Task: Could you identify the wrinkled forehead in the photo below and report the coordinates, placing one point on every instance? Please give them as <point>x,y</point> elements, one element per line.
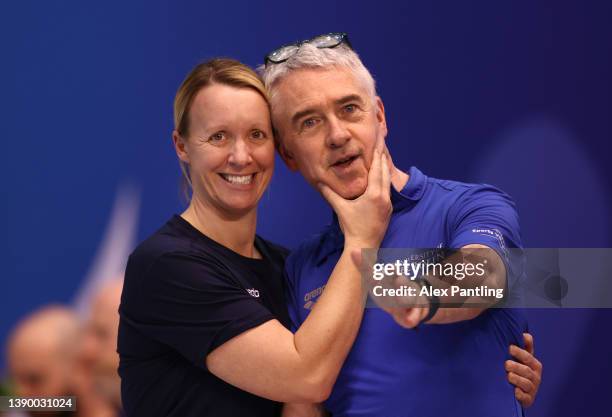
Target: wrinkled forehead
<point>303,85</point>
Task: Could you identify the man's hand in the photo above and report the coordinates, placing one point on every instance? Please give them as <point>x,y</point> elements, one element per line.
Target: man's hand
<point>408,318</point>
<point>409,311</point>
<point>526,374</point>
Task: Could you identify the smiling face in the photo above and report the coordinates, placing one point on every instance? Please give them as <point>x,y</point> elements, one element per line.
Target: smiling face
<point>328,125</point>
<point>229,148</point>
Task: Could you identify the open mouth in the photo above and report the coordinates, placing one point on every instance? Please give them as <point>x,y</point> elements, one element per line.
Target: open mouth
<point>238,179</point>
<point>345,162</point>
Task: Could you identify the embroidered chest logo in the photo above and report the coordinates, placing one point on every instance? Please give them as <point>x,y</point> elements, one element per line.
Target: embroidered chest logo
<point>310,297</point>
<point>253,292</point>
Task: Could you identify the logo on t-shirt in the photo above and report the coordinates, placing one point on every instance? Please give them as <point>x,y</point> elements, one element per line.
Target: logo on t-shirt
<point>495,233</point>
<point>253,292</point>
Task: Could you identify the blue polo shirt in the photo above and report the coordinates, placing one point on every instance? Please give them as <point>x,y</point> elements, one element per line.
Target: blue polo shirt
<point>440,370</point>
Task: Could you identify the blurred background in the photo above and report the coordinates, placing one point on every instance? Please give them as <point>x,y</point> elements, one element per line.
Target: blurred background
<point>513,93</point>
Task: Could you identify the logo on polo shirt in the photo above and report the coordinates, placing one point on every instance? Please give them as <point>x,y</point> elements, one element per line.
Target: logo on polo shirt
<point>253,292</point>
<point>310,297</point>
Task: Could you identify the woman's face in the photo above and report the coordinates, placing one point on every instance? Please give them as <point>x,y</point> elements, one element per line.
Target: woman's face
<point>230,147</point>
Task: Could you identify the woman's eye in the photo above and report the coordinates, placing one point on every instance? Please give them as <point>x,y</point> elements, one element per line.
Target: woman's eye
<point>217,137</point>
<point>258,134</point>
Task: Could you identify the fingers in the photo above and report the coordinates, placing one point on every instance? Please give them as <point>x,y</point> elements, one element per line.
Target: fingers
<point>381,149</point>
<point>408,318</point>
<point>523,383</point>
<point>526,376</point>
<point>332,198</point>
<point>400,316</point>
<point>385,175</point>
<point>520,369</point>
<point>525,399</point>
<point>522,356</point>
<point>389,158</point>
<point>375,174</point>
<point>528,339</point>
<point>528,359</point>
<point>416,315</point>
<point>380,144</point>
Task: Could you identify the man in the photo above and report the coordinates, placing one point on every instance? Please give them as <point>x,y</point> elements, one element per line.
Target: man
<point>41,354</point>
<point>327,117</point>
<point>99,345</point>
<point>43,360</point>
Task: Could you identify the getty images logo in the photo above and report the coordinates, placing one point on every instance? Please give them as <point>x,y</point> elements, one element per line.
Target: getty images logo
<point>253,292</point>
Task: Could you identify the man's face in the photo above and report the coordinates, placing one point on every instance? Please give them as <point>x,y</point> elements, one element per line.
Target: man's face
<point>38,370</point>
<point>328,124</point>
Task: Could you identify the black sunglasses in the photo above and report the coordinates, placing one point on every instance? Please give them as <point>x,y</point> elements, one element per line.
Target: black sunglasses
<point>329,40</point>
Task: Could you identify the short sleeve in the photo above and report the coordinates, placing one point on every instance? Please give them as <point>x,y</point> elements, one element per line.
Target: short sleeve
<point>291,293</point>
<point>487,216</point>
<point>192,305</point>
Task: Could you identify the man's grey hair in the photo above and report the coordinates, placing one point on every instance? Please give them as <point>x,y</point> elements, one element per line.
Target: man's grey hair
<point>309,56</point>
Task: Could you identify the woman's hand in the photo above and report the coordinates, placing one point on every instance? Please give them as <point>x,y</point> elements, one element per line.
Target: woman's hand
<point>364,220</point>
<point>526,374</point>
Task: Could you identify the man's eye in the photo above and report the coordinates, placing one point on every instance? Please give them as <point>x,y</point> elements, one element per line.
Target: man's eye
<point>350,108</point>
<point>308,123</point>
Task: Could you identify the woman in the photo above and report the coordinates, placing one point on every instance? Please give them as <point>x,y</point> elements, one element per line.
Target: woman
<point>203,322</point>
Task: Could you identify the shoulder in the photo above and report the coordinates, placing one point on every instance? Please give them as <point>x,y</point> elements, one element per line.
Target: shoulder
<point>457,191</point>
<point>461,198</point>
<point>170,254</point>
<point>161,243</point>
<point>276,253</point>
<point>481,213</point>
<point>168,237</point>
<point>314,250</point>
<point>465,199</point>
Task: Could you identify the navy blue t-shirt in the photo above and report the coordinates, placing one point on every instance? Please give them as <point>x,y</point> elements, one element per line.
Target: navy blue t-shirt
<point>440,370</point>
<point>185,295</point>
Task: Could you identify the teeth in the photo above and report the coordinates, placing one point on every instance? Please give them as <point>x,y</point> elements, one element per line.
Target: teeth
<point>344,160</point>
<point>238,179</point>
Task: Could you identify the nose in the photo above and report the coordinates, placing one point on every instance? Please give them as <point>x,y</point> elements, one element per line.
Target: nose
<point>240,154</point>
<point>88,348</point>
<point>338,134</point>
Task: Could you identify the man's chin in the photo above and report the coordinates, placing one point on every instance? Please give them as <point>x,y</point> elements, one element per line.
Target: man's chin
<point>351,193</point>
<point>353,196</point>
<point>349,190</point>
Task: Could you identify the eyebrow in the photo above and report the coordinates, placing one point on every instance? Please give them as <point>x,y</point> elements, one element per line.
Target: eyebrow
<point>302,113</point>
<point>309,110</point>
<point>349,98</point>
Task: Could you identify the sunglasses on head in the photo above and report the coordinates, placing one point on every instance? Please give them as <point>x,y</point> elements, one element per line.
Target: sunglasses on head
<point>329,40</point>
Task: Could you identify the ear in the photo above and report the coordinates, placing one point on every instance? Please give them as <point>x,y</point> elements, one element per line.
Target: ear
<point>380,115</point>
<point>180,146</point>
<point>286,155</point>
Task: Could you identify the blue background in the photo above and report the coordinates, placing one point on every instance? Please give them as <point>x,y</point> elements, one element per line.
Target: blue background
<point>513,93</point>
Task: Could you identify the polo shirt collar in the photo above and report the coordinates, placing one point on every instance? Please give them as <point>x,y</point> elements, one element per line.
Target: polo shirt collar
<point>408,196</point>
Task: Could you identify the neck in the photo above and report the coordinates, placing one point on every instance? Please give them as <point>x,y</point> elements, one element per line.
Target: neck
<point>398,178</point>
<point>234,231</point>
